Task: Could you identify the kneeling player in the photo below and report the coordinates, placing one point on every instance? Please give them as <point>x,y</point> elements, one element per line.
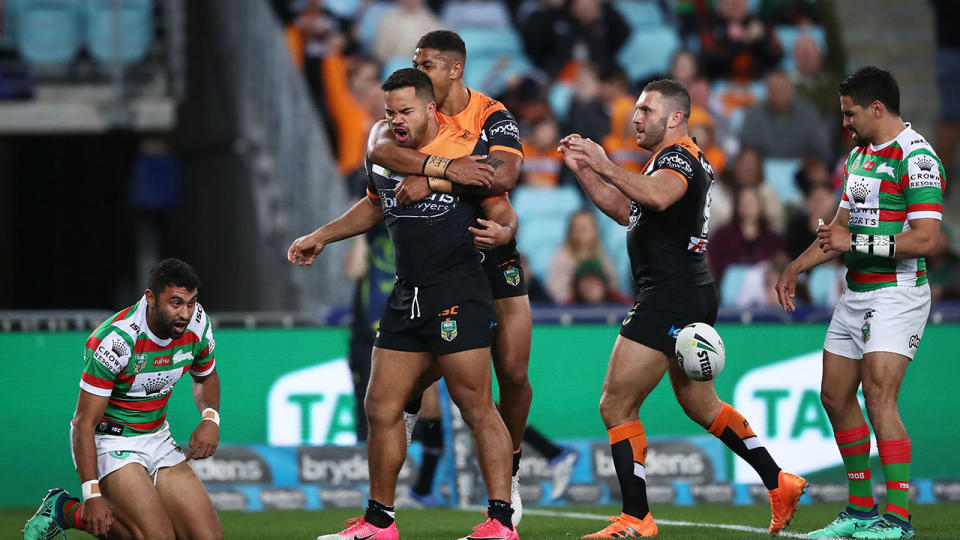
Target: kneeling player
<point>136,481</point>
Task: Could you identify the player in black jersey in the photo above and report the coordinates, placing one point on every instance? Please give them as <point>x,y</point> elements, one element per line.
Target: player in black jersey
<point>442,55</point>
<point>439,317</point>
<point>666,210</point>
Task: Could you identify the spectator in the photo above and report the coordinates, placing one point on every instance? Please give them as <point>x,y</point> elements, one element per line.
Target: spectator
<point>746,171</point>
<point>819,202</point>
<point>582,243</point>
<point>735,45</point>
<point>784,126</point>
<point>747,239</point>
<point>585,32</point>
<point>354,102</point>
<point>542,162</point>
<point>587,113</point>
<point>700,126</point>
<point>401,28</point>
<point>948,79</point>
<point>621,140</point>
<point>684,67</point>
<point>816,84</point>
<point>591,285</point>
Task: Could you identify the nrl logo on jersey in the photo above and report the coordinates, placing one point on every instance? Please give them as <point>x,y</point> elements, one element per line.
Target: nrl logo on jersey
<point>448,330</point>
<point>512,275</point>
<point>139,362</point>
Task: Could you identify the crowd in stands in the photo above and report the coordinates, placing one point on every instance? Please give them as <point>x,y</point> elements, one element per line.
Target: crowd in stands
<point>762,75</point>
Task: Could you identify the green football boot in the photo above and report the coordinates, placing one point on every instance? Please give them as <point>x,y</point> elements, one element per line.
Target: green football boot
<point>887,527</point>
<point>48,522</point>
<point>846,523</point>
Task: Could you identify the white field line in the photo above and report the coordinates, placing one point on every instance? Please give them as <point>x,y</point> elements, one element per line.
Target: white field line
<point>727,526</point>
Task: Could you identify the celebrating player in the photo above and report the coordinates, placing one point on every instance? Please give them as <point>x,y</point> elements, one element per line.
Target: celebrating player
<point>135,479</point>
<point>888,219</point>
<point>441,55</point>
<point>439,315</point>
<point>666,210</point>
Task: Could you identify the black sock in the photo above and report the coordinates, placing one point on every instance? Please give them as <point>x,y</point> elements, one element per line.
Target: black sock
<point>432,452</point>
<point>734,431</point>
<point>413,406</point>
<point>628,444</point>
<point>516,461</point>
<point>543,445</point>
<point>500,511</point>
<point>378,515</point>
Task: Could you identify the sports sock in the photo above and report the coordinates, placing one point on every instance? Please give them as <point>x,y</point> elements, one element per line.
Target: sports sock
<point>854,447</point>
<point>542,444</point>
<point>628,443</point>
<point>516,460</point>
<point>432,452</point>
<point>413,406</point>
<point>734,431</point>
<point>379,515</point>
<point>500,511</point>
<point>73,514</point>
<point>895,457</point>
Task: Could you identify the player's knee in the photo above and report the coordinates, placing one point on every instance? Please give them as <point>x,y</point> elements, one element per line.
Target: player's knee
<point>614,411</point>
<point>876,397</point>
<point>377,411</point>
<point>474,407</point>
<point>514,379</point>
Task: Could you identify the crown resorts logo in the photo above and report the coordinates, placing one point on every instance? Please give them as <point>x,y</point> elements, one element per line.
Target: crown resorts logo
<point>925,163</point>
<point>859,190</point>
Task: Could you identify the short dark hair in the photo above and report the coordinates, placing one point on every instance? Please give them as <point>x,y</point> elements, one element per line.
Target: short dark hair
<point>406,77</point>
<point>444,41</point>
<point>871,84</point>
<point>172,272</point>
<point>671,89</point>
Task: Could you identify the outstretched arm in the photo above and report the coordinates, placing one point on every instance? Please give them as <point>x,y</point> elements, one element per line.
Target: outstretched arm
<point>358,219</point>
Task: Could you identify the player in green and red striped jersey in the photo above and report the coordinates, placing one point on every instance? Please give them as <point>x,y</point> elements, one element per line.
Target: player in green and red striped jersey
<point>120,439</point>
<point>889,218</point>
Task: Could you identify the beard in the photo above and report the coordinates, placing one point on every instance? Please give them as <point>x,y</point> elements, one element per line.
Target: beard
<point>653,134</point>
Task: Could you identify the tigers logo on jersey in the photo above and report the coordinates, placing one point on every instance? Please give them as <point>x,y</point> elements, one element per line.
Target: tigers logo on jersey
<point>512,275</point>
<point>448,330</point>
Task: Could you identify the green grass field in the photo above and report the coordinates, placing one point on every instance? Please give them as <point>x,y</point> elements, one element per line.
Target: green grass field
<point>931,521</point>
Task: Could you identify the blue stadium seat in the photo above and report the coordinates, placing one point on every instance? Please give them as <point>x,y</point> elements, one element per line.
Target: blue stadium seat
<point>489,73</point>
<point>787,35</point>
<point>370,20</point>
<point>395,63</point>
<point>543,214</point>
<point>559,99</point>
<point>732,283</point>
<point>821,284</point>
<point>48,33</point>
<point>649,52</point>
<point>780,173</point>
<point>10,19</point>
<point>613,237</point>
<point>640,14</point>
<point>481,42</point>
<point>342,8</point>
<point>487,14</point>
<point>136,30</point>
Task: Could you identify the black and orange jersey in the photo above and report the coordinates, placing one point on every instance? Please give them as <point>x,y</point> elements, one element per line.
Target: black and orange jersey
<point>668,248</point>
<point>486,120</point>
<point>431,243</point>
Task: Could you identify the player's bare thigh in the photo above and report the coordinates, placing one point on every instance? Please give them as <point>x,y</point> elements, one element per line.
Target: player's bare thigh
<point>838,390</point>
<point>467,374</point>
<point>395,376</point>
<point>136,504</point>
<point>187,503</point>
<point>633,372</point>
<point>511,338</point>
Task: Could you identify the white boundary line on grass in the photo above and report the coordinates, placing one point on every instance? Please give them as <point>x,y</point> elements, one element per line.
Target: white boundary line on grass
<point>727,526</point>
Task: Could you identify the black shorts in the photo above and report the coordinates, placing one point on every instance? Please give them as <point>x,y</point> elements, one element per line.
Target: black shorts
<point>658,315</point>
<point>441,319</point>
<point>502,265</point>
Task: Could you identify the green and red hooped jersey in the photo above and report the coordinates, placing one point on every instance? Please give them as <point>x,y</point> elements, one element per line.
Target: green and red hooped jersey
<point>884,187</point>
<point>124,361</point>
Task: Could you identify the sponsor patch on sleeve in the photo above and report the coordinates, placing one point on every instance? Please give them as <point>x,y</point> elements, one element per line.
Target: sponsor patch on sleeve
<point>923,171</point>
<point>112,354</point>
<point>505,128</point>
<point>676,161</point>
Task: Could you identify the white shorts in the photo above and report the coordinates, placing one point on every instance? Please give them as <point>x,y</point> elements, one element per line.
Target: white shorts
<point>153,450</point>
<point>885,320</point>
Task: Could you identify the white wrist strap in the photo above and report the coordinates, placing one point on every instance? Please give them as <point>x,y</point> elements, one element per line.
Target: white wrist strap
<point>211,415</point>
<point>90,489</point>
